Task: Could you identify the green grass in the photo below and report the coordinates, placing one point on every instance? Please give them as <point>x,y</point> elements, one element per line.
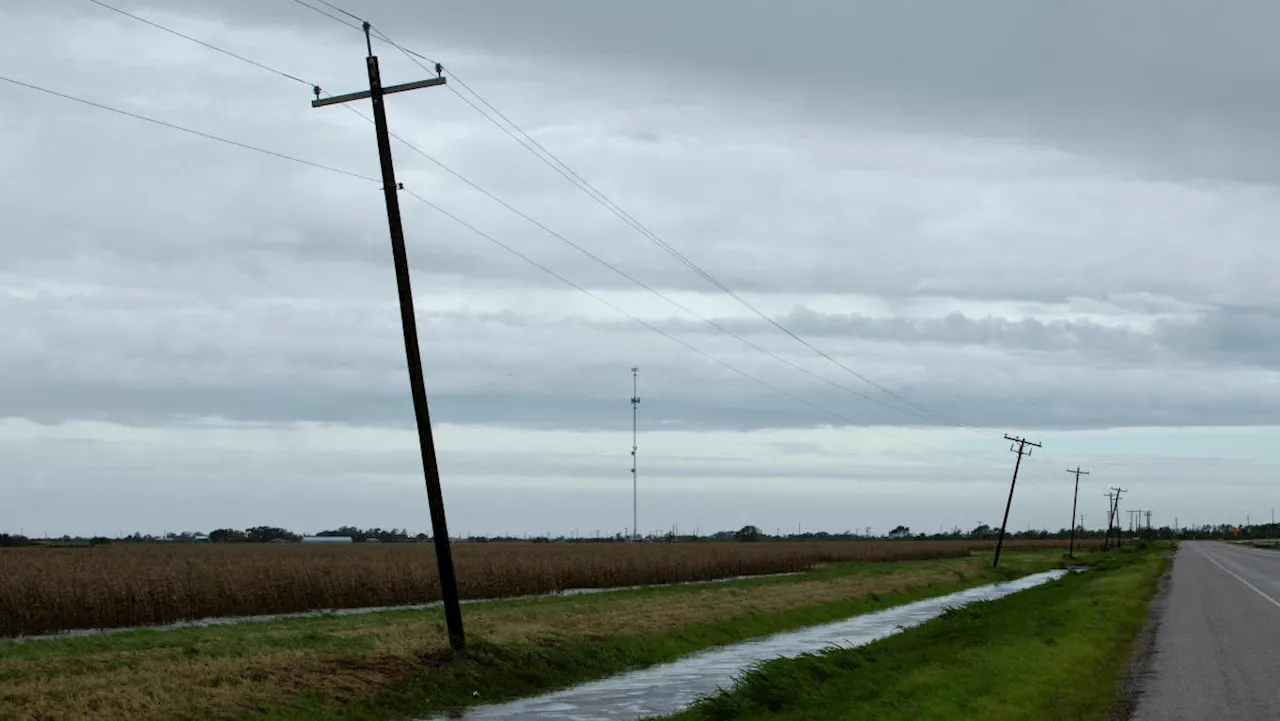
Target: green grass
<point>1055,651</point>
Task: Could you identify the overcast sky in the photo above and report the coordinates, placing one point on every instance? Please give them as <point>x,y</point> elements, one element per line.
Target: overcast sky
<point>1055,220</point>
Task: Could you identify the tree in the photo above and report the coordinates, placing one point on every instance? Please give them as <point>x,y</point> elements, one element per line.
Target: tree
<point>900,532</point>
<point>227,535</point>
<point>748,533</point>
<point>267,534</point>
<point>348,531</point>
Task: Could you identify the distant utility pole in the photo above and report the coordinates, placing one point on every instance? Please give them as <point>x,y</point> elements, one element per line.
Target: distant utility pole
<point>1111,499</point>
<point>1148,521</point>
<point>413,356</point>
<point>635,405</point>
<point>1071,549</point>
<point>1115,513</point>
<point>1022,449</point>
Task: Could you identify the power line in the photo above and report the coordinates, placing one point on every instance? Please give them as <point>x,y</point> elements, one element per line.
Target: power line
<point>529,218</point>
<point>197,41</point>
<point>458,220</point>
<point>197,133</point>
<point>552,161</point>
<point>921,412</point>
<point>498,200</point>
<point>331,6</point>
<point>623,312</point>
<point>335,18</point>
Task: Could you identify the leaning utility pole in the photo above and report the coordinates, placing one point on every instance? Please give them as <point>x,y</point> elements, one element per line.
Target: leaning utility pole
<point>1022,450</point>
<point>1106,544</point>
<point>635,404</point>
<point>413,356</point>
<point>1115,514</point>
<point>1071,548</point>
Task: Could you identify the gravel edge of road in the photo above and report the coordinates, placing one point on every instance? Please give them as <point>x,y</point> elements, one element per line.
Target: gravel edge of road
<point>1144,646</point>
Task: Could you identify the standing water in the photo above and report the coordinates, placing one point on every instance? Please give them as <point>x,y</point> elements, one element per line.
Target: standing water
<point>671,687</point>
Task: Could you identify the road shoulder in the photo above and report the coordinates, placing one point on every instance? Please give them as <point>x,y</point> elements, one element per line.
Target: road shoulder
<point>1144,648</point>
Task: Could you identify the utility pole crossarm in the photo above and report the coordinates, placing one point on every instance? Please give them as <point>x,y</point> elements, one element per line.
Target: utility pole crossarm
<point>415,85</point>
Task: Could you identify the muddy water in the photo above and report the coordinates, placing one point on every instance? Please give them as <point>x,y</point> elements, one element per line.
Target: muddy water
<point>671,687</point>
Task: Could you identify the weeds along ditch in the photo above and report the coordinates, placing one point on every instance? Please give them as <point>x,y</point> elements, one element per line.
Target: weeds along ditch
<point>46,590</point>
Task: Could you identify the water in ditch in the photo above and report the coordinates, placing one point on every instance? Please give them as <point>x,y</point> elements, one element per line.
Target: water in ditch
<point>668,688</point>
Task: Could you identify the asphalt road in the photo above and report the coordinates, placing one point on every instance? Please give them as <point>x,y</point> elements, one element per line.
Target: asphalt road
<point>1217,645</point>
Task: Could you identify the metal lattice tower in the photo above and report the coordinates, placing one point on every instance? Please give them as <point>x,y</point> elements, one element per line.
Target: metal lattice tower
<point>635,407</point>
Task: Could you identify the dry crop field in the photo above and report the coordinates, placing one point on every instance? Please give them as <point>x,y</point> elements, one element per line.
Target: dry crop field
<point>45,590</point>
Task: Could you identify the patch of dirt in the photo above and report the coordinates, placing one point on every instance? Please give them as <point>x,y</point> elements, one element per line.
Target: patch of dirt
<point>437,657</point>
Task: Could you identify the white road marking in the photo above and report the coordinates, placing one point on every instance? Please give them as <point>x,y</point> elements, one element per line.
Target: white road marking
<point>1252,587</point>
<point>1260,552</point>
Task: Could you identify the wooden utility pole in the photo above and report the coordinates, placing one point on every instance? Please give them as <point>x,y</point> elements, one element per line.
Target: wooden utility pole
<point>1071,548</point>
<point>413,355</point>
<point>1106,544</point>
<point>1023,447</point>
<point>1115,513</point>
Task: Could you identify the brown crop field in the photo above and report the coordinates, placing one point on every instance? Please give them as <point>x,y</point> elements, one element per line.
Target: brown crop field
<point>45,590</point>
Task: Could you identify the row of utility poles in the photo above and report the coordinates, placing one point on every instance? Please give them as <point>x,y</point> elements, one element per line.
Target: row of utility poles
<point>1024,447</point>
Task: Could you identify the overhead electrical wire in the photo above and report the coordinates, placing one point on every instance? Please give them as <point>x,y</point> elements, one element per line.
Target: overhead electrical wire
<point>456,219</point>
<point>335,18</point>
<point>197,41</point>
<point>535,222</point>
<point>191,131</point>
<point>921,412</point>
<point>551,160</point>
<point>637,319</point>
<point>331,6</point>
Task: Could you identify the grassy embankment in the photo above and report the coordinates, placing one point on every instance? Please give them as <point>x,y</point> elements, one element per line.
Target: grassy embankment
<point>396,664</point>
<point>1057,651</point>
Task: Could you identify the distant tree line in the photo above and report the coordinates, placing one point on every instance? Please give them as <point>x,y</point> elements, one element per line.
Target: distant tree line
<point>749,534</point>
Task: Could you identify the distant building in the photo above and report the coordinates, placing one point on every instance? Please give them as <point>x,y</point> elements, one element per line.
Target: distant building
<point>326,539</point>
